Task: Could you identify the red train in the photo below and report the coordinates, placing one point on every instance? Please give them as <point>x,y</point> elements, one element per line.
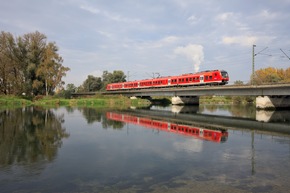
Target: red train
<point>210,77</point>
<point>188,130</point>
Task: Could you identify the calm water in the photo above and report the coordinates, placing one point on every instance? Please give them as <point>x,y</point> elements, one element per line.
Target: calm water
<point>165,149</point>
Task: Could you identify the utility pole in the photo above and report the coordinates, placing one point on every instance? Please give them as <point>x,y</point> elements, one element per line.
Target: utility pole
<point>253,61</point>
<point>253,64</point>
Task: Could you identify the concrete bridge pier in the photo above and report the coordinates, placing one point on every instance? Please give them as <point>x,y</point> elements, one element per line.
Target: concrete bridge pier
<point>185,100</point>
<point>272,102</point>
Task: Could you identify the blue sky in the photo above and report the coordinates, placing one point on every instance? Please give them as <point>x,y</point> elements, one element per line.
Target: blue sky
<point>149,37</point>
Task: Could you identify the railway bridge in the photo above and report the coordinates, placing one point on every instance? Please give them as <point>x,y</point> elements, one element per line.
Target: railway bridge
<point>267,96</point>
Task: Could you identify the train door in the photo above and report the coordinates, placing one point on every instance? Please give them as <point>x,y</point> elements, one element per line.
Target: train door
<point>138,84</point>
<point>201,79</point>
<point>169,82</point>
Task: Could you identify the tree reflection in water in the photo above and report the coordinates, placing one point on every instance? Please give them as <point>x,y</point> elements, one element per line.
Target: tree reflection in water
<point>29,135</point>
<point>93,115</point>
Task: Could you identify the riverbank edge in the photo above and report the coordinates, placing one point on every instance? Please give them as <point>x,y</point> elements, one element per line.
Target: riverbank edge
<point>95,101</point>
<point>104,101</point>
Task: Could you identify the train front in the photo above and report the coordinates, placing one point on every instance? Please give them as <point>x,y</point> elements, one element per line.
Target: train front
<point>225,77</point>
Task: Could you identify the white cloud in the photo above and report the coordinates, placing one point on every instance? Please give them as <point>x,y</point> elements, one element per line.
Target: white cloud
<point>90,9</point>
<point>163,42</point>
<point>266,14</point>
<point>192,19</point>
<point>224,16</point>
<point>109,15</point>
<point>241,40</point>
<point>193,52</point>
<point>106,34</point>
<point>247,40</point>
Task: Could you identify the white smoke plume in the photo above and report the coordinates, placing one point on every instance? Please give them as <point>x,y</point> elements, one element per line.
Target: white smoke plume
<point>193,52</point>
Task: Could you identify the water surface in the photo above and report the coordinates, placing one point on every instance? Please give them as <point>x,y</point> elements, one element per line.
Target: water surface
<point>91,150</point>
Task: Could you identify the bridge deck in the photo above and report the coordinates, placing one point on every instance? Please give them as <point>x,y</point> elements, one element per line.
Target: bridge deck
<point>229,90</point>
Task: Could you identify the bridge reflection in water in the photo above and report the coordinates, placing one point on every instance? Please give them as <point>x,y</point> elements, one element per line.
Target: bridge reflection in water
<point>199,132</point>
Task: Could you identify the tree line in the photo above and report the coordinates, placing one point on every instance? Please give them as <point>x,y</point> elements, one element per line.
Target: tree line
<point>94,83</point>
<point>29,65</point>
<point>271,75</point>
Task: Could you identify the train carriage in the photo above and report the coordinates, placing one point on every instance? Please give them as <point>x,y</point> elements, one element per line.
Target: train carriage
<point>210,77</point>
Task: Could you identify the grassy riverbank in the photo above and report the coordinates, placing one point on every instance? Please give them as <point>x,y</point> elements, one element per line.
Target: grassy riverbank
<point>226,100</point>
<point>13,101</point>
<point>95,101</point>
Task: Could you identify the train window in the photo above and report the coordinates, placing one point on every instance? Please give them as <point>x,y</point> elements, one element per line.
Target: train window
<point>210,77</point>
<point>186,80</point>
<point>206,77</point>
<point>190,79</point>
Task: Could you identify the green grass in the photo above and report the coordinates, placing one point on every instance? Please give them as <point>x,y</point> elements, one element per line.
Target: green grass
<point>96,101</point>
<point>13,101</point>
<point>226,100</point>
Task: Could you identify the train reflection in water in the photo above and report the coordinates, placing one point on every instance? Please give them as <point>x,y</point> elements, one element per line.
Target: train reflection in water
<point>210,134</point>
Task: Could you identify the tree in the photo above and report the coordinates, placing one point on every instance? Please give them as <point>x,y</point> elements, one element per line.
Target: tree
<point>116,76</point>
<point>271,75</point>
<point>50,70</point>
<point>71,87</point>
<point>28,64</point>
<point>92,84</point>
<point>10,76</point>
<point>31,52</point>
<point>238,82</point>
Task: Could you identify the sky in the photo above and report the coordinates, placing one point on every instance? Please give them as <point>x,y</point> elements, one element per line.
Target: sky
<point>150,38</point>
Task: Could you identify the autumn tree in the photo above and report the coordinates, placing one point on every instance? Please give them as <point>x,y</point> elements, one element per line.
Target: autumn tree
<point>28,64</point>
<point>271,75</point>
<point>50,70</point>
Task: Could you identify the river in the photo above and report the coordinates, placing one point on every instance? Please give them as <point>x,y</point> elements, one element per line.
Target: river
<point>210,148</point>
